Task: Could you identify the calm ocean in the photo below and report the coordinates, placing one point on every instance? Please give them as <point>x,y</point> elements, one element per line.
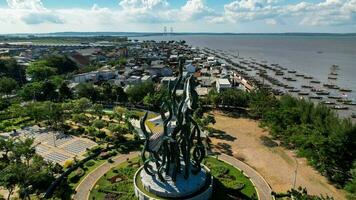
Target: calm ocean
<point>312,55</point>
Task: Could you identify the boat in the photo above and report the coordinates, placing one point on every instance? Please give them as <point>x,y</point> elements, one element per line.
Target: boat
<point>306,86</point>
<point>308,77</point>
<point>322,92</point>
<point>294,90</point>
<point>345,90</point>
<point>288,87</point>
<point>303,93</point>
<point>340,107</point>
<point>300,75</point>
<point>343,100</point>
<point>333,74</point>
<point>279,73</point>
<point>314,81</point>
<point>334,97</point>
<point>331,86</point>
<point>328,102</point>
<point>332,78</point>
<point>289,79</point>
<point>292,71</point>
<point>315,97</point>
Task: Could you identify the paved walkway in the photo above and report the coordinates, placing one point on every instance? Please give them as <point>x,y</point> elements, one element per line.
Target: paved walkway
<point>84,187</point>
<point>263,189</point>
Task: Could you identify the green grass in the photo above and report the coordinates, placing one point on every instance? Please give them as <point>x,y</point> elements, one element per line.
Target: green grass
<point>15,123</point>
<point>123,189</point>
<point>229,182</point>
<point>87,171</point>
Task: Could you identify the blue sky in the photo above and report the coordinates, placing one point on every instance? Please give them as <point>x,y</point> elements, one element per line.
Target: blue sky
<point>238,16</point>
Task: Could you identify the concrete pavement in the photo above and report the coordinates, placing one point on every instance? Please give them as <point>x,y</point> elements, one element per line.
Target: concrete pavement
<point>262,187</point>
<point>85,186</point>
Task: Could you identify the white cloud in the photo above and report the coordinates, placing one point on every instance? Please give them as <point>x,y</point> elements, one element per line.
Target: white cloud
<point>152,15</point>
<point>158,11</point>
<point>29,12</point>
<point>327,12</point>
<point>26,4</point>
<point>271,21</point>
<point>195,9</point>
<point>142,4</point>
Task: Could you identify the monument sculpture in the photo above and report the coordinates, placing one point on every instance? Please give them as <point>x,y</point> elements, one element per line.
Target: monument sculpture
<point>172,159</point>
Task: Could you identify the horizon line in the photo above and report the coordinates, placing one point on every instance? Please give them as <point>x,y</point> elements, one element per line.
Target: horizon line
<point>177,33</point>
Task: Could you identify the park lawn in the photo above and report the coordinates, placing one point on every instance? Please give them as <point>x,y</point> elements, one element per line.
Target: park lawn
<point>229,181</point>
<point>87,171</point>
<point>138,112</point>
<point>15,123</point>
<point>124,189</point>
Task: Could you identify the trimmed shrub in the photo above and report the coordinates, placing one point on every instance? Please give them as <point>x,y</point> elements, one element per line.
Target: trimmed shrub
<point>90,163</point>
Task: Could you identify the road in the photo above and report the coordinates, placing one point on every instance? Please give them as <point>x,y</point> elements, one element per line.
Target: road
<point>84,187</point>
<point>262,187</point>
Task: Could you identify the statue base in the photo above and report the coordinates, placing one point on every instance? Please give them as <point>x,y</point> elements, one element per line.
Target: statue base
<point>196,187</point>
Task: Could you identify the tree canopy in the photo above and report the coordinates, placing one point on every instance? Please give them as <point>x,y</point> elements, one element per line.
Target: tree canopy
<point>7,85</point>
<point>9,68</point>
<point>39,71</point>
<point>137,93</point>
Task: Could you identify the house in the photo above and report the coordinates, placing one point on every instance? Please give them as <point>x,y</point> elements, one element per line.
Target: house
<point>160,70</point>
<point>146,78</point>
<point>133,80</point>
<point>79,59</point>
<point>211,60</point>
<point>222,84</point>
<point>103,74</point>
<point>166,80</point>
<point>85,77</point>
<point>190,68</point>
<point>205,81</point>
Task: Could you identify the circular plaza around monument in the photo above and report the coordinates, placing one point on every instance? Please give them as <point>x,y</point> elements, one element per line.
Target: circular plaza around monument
<point>122,182</point>
<point>198,187</point>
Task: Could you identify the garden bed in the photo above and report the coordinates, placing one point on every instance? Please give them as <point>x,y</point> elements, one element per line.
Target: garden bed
<point>229,182</point>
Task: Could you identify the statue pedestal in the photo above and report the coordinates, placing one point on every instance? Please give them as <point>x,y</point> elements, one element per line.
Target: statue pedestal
<point>196,187</point>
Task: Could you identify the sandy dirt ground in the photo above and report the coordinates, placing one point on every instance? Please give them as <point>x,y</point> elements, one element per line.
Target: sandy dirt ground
<point>241,138</point>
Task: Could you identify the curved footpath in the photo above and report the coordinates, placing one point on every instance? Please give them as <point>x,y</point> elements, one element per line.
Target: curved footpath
<point>84,187</point>
<point>263,188</point>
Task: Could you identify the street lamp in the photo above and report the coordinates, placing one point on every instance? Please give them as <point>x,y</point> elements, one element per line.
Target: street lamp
<point>295,173</point>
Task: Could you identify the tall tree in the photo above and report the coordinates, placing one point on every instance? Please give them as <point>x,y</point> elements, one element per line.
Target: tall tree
<point>119,94</point>
<point>9,178</point>
<point>87,90</point>
<point>39,71</point>
<point>62,63</point>
<point>65,92</point>
<point>10,68</point>
<point>7,85</point>
<point>136,93</point>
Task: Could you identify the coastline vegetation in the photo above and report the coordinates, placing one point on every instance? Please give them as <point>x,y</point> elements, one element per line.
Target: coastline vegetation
<point>314,130</point>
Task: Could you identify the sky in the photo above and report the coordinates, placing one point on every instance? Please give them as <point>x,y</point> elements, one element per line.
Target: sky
<point>233,16</point>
